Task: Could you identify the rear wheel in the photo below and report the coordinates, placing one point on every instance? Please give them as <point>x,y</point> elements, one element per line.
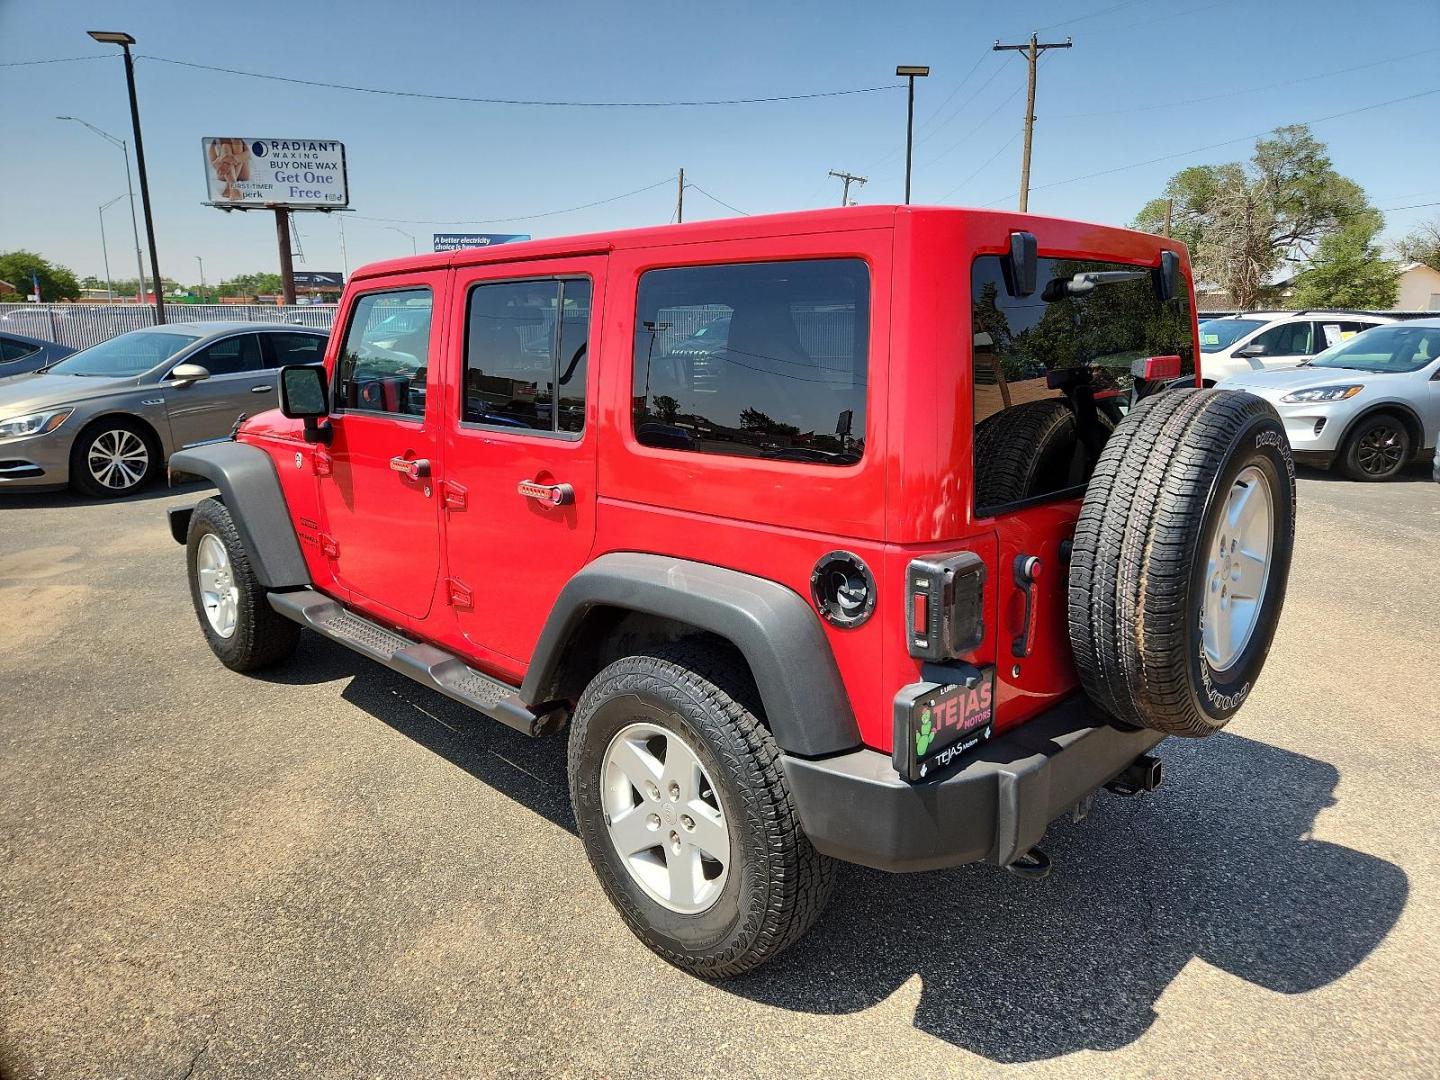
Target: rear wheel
<point>1377,449</point>
<point>1181,558</point>
<point>114,456</point>
<point>685,815</point>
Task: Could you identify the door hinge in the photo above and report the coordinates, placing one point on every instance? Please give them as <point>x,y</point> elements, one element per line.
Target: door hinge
<point>453,496</point>
<point>328,547</point>
<point>324,462</point>
<point>458,594</point>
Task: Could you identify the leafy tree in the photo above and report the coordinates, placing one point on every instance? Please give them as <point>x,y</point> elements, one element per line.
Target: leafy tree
<point>1244,221</point>
<point>56,282</point>
<point>666,408</point>
<point>752,419</point>
<point>1348,271</point>
<point>1422,245</point>
<point>250,285</point>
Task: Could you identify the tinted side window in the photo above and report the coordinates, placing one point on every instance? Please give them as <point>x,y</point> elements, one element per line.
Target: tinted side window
<point>289,348</point>
<point>526,347</point>
<point>1288,339</point>
<point>383,365</point>
<point>230,356</point>
<point>755,359</point>
<point>11,350</point>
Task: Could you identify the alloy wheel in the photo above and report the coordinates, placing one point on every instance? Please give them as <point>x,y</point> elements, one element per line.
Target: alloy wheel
<point>118,459</point>
<point>219,595</point>
<point>664,818</point>
<point>1380,450</point>
<point>1238,568</point>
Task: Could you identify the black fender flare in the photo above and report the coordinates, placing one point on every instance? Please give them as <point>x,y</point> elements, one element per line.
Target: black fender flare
<point>777,632</point>
<point>250,489</point>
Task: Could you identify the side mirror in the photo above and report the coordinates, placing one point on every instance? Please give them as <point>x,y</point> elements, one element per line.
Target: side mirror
<point>1249,352</point>
<point>183,375</point>
<point>305,395</point>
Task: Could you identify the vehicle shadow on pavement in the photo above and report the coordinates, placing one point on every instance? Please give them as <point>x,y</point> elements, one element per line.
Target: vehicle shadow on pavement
<point>1218,865</point>
<point>64,498</point>
<point>1417,472</point>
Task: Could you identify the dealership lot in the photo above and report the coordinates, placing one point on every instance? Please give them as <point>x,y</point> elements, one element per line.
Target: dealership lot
<point>331,871</point>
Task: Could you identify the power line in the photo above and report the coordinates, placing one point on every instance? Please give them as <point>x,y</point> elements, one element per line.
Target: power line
<point>988,161</point>
<point>54,60</point>
<point>973,131</point>
<point>517,217</point>
<point>1328,74</point>
<point>1224,142</point>
<point>523,101</point>
<point>713,199</point>
<point>1092,15</point>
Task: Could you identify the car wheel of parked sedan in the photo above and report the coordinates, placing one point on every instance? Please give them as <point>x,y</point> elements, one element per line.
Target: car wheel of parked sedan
<point>114,457</point>
<point>1377,449</point>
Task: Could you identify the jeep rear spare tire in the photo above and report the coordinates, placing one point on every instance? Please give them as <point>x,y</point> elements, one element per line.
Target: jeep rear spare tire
<point>1181,558</point>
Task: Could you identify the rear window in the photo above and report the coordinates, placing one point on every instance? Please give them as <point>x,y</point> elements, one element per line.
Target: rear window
<point>1052,370</point>
<point>765,360</point>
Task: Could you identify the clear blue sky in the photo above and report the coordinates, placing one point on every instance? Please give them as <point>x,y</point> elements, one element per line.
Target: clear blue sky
<point>447,161</point>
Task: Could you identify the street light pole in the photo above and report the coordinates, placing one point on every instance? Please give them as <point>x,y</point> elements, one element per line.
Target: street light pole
<point>911,72</point>
<point>130,190</point>
<point>201,261</point>
<point>116,37</point>
<point>104,248</point>
<point>413,249</point>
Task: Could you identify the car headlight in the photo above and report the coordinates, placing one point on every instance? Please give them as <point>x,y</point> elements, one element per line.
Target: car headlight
<point>1322,393</point>
<point>40,423</point>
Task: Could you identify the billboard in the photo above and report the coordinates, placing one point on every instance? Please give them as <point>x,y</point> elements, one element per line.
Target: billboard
<point>454,241</point>
<point>320,279</point>
<point>301,174</point>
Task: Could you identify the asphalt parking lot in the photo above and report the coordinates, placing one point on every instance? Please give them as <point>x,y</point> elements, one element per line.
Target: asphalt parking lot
<point>330,871</point>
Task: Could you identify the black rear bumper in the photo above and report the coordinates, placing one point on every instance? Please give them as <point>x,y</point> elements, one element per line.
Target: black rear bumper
<point>993,808</point>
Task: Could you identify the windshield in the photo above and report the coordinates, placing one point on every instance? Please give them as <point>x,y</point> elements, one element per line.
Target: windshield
<point>129,354</point>
<point>1393,349</point>
<point>1218,334</point>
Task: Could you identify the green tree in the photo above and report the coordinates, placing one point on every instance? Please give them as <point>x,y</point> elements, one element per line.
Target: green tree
<point>1421,245</point>
<point>56,282</point>
<point>250,285</point>
<point>1348,270</point>
<point>1243,222</point>
<point>666,408</point>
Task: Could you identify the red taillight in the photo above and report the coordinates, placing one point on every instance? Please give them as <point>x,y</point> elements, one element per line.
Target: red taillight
<point>920,623</point>
<point>1156,368</point>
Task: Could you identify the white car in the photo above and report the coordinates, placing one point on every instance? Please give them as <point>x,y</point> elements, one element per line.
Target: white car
<point>1266,340</point>
<point>1370,403</point>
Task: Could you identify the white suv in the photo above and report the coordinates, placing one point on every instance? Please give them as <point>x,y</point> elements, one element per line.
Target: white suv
<point>1262,340</point>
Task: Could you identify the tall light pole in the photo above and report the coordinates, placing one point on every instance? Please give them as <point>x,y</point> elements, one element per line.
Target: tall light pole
<point>201,261</point>
<point>124,40</point>
<point>413,249</point>
<point>911,72</point>
<point>104,248</point>
<point>134,226</point>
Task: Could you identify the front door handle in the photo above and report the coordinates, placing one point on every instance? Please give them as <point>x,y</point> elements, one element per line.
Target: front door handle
<point>411,468</point>
<point>549,494</point>
<point>261,389</point>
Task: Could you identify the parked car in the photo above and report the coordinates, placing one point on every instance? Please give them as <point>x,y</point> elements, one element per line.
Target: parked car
<point>105,419</point>
<point>1270,340</point>
<point>824,597</point>
<point>20,354</point>
<point>1370,404</point>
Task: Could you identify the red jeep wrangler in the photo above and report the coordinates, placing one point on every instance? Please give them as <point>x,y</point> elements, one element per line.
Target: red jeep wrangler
<point>884,534</point>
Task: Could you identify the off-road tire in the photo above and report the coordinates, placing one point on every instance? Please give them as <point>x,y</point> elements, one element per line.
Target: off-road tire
<point>777,884</point>
<point>1026,450</point>
<point>1353,457</point>
<point>1138,569</point>
<point>80,477</point>
<point>262,637</point>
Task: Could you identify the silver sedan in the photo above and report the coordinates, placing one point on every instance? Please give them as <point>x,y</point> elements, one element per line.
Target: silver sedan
<point>106,419</point>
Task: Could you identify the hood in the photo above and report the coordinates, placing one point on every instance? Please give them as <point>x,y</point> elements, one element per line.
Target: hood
<point>1286,380</point>
<point>22,394</point>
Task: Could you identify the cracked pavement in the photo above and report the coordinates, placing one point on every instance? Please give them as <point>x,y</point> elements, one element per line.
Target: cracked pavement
<point>330,871</point>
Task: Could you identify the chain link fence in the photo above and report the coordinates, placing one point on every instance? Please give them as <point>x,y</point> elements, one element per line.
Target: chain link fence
<point>82,325</point>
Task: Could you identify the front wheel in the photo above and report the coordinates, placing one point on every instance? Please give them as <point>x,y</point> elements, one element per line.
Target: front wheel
<point>1377,449</point>
<point>685,815</point>
<point>239,624</point>
<point>114,457</point>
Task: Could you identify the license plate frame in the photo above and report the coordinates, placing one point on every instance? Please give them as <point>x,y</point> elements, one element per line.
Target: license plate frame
<point>935,722</point>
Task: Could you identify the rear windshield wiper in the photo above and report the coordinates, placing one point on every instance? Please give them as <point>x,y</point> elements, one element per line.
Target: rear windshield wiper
<point>1088,281</point>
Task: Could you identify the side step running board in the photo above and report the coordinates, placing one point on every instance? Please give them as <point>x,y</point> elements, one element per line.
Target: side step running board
<point>426,664</point>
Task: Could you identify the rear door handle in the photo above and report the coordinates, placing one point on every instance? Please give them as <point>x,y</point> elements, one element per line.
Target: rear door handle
<point>261,389</point>
<point>411,468</point>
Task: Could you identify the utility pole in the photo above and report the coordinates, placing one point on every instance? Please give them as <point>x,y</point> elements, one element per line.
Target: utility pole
<point>847,179</point>
<point>287,264</point>
<point>1033,50</point>
<point>201,261</point>
<point>1169,213</point>
<point>680,199</point>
